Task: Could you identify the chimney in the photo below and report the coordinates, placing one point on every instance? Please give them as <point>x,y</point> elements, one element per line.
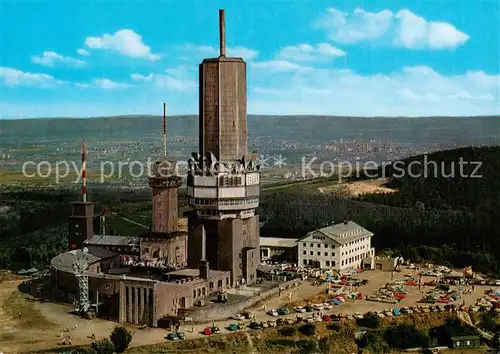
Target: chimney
<point>222,33</point>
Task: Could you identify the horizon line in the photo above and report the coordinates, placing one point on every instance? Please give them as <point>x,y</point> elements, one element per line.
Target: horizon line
<point>248,115</point>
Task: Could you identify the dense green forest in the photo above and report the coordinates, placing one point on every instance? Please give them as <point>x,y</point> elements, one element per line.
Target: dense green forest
<point>450,220</point>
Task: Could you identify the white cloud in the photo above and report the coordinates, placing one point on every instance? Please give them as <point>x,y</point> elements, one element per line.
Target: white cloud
<point>83,52</point>
<point>51,59</point>
<point>105,84</point>
<point>242,52</point>
<point>14,77</point>
<point>307,52</point>
<point>278,65</point>
<point>412,91</point>
<point>125,42</point>
<point>175,79</point>
<point>402,29</point>
<point>238,52</point>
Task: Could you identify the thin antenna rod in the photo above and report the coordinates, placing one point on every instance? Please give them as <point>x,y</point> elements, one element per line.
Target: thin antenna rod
<point>84,172</point>
<point>164,129</point>
<point>222,33</point>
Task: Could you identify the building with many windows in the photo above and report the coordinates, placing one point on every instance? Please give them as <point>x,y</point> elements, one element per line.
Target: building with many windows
<point>339,246</point>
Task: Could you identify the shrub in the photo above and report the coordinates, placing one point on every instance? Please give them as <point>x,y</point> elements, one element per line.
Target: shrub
<point>373,342</point>
<point>282,342</point>
<point>307,346</point>
<point>121,338</point>
<point>406,336</point>
<point>334,327</point>
<point>307,329</point>
<point>103,346</point>
<point>370,321</point>
<point>288,331</point>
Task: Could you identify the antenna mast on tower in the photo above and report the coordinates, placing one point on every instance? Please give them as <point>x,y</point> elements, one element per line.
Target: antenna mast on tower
<point>84,172</point>
<point>164,129</point>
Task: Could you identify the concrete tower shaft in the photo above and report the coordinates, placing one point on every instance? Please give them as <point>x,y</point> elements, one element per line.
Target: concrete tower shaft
<point>223,104</point>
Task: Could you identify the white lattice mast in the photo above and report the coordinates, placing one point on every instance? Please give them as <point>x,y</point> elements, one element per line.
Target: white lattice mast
<point>80,269</point>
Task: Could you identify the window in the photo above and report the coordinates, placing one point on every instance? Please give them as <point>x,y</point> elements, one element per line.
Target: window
<point>304,261</point>
<point>319,253</point>
<point>304,253</point>
<point>327,263</point>
<point>311,253</point>
<point>333,246</point>
<point>468,342</point>
<point>326,246</point>
<point>227,281</point>
<point>319,245</point>
<point>311,245</point>
<point>219,283</point>
<point>211,285</point>
<point>203,291</point>
<point>304,245</point>
<point>194,294</point>
<point>326,254</point>
<point>333,254</point>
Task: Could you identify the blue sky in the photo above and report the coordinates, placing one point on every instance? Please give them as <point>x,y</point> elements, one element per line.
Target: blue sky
<point>357,58</point>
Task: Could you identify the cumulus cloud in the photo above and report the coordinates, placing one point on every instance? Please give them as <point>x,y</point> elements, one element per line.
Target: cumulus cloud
<point>83,52</point>
<point>412,91</point>
<point>105,84</point>
<point>402,29</point>
<point>307,52</point>
<point>174,79</point>
<point>52,59</point>
<point>14,77</point>
<point>125,42</point>
<point>278,65</point>
<point>237,52</point>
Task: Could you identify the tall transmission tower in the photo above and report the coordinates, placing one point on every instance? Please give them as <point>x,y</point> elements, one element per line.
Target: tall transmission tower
<point>80,267</point>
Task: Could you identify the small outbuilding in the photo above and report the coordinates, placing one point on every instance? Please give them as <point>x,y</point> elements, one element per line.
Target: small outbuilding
<point>465,342</point>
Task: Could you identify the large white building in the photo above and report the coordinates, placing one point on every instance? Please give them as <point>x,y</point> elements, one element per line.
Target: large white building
<point>338,246</point>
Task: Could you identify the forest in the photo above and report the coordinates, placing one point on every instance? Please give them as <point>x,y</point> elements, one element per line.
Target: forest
<point>451,220</point>
<point>447,220</point>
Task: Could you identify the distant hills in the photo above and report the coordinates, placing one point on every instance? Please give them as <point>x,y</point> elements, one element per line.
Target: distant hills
<point>449,130</point>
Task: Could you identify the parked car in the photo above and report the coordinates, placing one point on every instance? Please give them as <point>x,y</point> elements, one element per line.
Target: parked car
<point>173,336</point>
<point>271,323</point>
<point>273,313</point>
<point>327,306</point>
<point>215,330</point>
<point>234,327</point>
<point>280,322</point>
<point>238,317</point>
<point>207,331</point>
<point>300,309</point>
<point>318,307</point>
<point>309,308</point>
<point>255,325</point>
<point>283,311</point>
<point>326,318</point>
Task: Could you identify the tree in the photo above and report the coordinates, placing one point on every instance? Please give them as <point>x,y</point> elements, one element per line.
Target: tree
<point>121,338</point>
<point>103,346</point>
<point>308,329</point>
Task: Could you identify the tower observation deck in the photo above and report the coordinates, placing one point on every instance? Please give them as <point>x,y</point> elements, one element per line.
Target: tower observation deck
<point>223,184</point>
